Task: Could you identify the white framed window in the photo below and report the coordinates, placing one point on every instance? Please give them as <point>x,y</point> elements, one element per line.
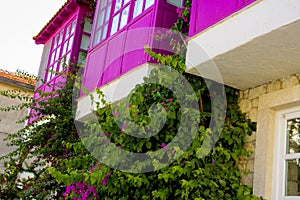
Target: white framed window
<point>286,183</point>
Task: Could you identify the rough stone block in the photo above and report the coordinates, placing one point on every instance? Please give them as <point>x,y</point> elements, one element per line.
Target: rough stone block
<point>258,91</point>
<point>245,105</point>
<point>274,86</point>
<point>290,81</point>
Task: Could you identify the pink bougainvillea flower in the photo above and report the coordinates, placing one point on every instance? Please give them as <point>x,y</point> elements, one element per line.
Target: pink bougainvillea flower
<point>104,181</point>
<point>137,112</point>
<point>163,102</point>
<point>165,108</point>
<point>170,100</point>
<point>101,135</point>
<point>107,134</point>
<point>119,147</point>
<point>115,114</point>
<point>93,167</point>
<point>127,105</point>
<point>164,146</point>
<point>122,128</point>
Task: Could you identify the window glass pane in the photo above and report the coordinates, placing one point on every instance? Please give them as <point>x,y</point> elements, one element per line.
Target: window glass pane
<point>70,43</point>
<point>55,41</point>
<point>118,5</point>
<point>87,26</point>
<point>104,32</point>
<point>124,17</point>
<point>84,42</point>
<point>57,55</point>
<point>68,31</point>
<point>125,1</point>
<point>177,3</point>
<point>107,13</point>
<point>68,57</point>
<point>100,18</point>
<point>138,7</point>
<point>293,135</point>
<point>60,37</point>
<point>65,48</point>
<point>292,179</point>
<point>102,4</point>
<point>115,23</point>
<point>52,57</point>
<point>73,26</point>
<point>81,58</point>
<point>60,65</point>
<point>97,37</point>
<point>149,3</point>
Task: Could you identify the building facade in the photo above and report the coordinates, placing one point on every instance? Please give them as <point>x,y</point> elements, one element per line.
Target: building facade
<point>254,45</point>
<point>10,81</point>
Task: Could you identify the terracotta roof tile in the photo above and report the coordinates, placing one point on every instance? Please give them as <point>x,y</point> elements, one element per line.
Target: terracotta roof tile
<point>15,77</point>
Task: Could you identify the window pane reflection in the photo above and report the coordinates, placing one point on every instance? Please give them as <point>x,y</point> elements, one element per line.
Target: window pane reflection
<point>149,3</point>
<point>118,5</point>
<point>104,32</point>
<point>293,136</point>
<point>107,13</point>
<point>293,179</point>
<point>124,17</point>
<point>138,8</point>
<point>115,23</point>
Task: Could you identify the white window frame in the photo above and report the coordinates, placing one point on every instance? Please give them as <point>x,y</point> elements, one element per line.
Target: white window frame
<point>280,158</point>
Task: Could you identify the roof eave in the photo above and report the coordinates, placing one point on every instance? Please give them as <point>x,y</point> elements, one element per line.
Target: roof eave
<point>63,13</point>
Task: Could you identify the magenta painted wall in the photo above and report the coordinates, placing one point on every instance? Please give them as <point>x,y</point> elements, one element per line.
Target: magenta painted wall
<point>124,51</point>
<point>205,13</point>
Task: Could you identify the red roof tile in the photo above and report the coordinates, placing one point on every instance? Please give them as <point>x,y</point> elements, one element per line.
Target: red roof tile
<point>16,77</point>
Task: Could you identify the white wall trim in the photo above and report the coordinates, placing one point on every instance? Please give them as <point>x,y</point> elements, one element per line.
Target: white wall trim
<point>113,91</point>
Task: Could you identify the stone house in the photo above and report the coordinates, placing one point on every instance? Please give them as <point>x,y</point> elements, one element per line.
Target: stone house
<point>251,45</point>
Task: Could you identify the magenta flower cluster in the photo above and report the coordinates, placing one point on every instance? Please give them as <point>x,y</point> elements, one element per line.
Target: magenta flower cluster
<point>105,179</point>
<point>179,12</point>
<point>164,103</point>
<point>81,191</point>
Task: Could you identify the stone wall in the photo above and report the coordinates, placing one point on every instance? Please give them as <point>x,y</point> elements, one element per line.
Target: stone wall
<point>248,101</point>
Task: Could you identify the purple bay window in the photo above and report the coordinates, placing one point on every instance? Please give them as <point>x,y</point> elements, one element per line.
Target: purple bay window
<point>65,38</point>
<point>205,13</point>
<point>121,29</point>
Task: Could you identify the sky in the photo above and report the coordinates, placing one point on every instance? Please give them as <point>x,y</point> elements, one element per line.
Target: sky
<point>20,20</point>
